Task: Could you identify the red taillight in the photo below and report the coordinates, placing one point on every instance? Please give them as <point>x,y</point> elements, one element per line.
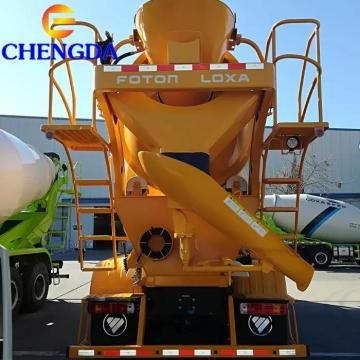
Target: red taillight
<point>263,309</point>
<point>111,308</point>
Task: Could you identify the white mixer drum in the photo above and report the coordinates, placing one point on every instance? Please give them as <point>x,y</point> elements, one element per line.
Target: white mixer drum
<point>25,175</point>
<point>320,218</point>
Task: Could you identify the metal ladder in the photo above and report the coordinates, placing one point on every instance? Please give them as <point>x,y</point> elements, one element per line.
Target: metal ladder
<point>86,138</point>
<point>276,141</point>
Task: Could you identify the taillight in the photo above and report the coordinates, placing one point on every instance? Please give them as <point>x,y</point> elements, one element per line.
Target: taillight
<point>111,307</point>
<point>263,309</point>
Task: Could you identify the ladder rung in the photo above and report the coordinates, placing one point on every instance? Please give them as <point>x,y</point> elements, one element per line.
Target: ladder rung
<point>93,182</point>
<point>280,209</point>
<point>95,237</point>
<point>122,238</point>
<point>93,210</point>
<point>282,181</point>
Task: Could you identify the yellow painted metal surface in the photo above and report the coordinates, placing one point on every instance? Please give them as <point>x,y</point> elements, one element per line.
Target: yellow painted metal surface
<point>112,282</point>
<point>162,23</point>
<point>196,191</point>
<point>259,285</point>
<point>180,82</point>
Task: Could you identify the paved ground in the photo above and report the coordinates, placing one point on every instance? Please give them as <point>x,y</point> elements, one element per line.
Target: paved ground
<point>328,313</point>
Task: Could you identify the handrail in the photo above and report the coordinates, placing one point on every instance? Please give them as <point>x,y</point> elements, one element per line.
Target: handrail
<point>308,97</point>
<point>296,21</point>
<point>72,86</point>
<point>271,41</point>
<point>61,93</point>
<point>288,21</point>
<point>71,115</point>
<point>298,56</point>
<point>308,45</point>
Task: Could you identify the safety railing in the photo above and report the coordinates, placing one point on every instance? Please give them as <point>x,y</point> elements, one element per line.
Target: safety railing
<point>71,110</point>
<point>271,44</point>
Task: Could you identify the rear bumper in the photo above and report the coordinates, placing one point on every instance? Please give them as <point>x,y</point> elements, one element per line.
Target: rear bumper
<point>123,352</point>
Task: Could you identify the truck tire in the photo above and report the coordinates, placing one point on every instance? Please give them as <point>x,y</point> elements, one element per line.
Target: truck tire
<point>320,256</point>
<point>17,290</point>
<point>36,286</point>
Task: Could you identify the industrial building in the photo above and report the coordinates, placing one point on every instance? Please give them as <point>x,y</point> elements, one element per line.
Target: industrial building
<point>333,172</point>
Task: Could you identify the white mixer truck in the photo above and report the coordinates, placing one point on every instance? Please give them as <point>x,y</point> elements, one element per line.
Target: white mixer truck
<point>329,230</point>
<point>30,185</point>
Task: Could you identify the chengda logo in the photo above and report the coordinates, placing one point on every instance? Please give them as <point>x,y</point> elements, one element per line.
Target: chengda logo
<point>57,9</point>
<point>102,50</point>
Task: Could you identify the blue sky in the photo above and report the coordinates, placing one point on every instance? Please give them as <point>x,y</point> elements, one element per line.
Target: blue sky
<point>24,84</point>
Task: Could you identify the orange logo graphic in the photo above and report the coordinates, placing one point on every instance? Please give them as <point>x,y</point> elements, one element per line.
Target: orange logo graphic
<point>56,9</point>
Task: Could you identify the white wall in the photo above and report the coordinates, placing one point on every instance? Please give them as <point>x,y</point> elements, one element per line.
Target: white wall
<point>340,147</point>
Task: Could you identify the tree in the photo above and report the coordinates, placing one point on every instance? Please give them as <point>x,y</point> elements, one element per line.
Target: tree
<point>315,176</point>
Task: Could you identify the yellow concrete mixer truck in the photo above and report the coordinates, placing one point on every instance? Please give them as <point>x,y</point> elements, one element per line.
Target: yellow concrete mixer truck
<point>205,276</point>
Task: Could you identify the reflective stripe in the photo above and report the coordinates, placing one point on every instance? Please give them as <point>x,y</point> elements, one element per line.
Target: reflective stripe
<point>202,352</point>
<point>127,352</point>
<point>185,352</point>
<point>219,67</point>
<point>245,352</point>
<point>144,352</point>
<point>171,352</point>
<point>129,68</point>
<point>86,352</point>
<point>182,67</point>
<point>287,352</point>
<point>114,68</point>
<point>147,68</point>
<point>254,66</point>
<point>227,352</point>
<point>261,352</point>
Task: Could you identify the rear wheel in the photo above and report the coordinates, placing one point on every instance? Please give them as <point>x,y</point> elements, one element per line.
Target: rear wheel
<point>321,257</point>
<point>36,286</point>
<point>17,291</point>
